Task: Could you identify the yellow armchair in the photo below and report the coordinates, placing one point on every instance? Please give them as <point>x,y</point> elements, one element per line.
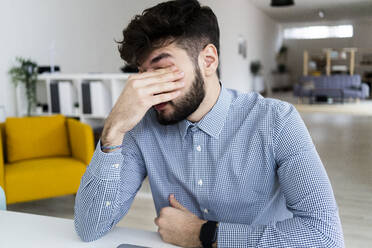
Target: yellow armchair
<point>2,150</point>
<point>81,140</point>
<point>42,157</point>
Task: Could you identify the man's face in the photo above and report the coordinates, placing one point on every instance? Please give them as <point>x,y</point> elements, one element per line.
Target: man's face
<point>191,95</point>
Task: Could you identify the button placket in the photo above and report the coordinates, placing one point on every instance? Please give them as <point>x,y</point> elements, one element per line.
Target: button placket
<point>198,148</point>
<point>197,155</point>
<point>200,187</point>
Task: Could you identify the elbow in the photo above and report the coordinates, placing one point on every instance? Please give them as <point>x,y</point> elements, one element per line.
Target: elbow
<point>86,237</point>
<point>323,228</point>
<point>86,232</point>
<point>331,234</point>
<point>335,233</point>
<point>336,239</point>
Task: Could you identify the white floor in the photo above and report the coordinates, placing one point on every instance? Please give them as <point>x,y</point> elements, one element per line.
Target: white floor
<point>344,143</point>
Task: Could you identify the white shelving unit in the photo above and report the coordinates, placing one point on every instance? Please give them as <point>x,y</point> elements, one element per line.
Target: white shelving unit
<point>114,83</point>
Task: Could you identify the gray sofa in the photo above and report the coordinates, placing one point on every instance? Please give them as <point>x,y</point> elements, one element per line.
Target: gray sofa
<point>334,86</point>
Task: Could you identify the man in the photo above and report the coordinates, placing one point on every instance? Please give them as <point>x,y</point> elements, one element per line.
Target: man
<point>226,169</point>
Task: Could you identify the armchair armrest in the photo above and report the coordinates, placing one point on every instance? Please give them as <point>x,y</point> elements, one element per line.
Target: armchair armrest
<point>365,90</point>
<point>81,140</point>
<point>2,158</point>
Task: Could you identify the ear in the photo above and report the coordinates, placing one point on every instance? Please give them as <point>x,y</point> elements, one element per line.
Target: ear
<point>208,60</point>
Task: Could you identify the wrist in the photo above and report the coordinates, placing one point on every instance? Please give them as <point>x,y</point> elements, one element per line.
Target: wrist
<point>108,149</point>
<point>110,137</point>
<point>111,141</point>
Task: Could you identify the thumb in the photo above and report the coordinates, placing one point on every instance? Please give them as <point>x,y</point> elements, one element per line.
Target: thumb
<point>174,203</point>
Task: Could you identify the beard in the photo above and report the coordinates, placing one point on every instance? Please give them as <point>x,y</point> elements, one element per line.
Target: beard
<point>187,104</point>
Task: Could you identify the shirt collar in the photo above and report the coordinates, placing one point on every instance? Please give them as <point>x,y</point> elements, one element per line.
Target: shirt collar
<point>213,122</point>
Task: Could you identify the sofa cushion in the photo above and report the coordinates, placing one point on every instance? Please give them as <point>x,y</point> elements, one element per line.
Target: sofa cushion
<point>352,93</point>
<point>42,178</point>
<point>35,137</point>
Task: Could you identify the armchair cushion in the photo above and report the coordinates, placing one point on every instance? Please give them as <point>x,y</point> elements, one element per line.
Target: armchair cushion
<point>34,179</point>
<point>35,137</point>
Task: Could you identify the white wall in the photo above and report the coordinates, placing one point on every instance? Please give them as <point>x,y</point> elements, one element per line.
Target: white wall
<point>240,17</point>
<point>362,40</point>
<point>84,31</point>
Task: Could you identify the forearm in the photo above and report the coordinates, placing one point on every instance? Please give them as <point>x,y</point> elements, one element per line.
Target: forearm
<point>95,201</point>
<point>321,230</point>
<point>107,189</point>
<point>94,209</point>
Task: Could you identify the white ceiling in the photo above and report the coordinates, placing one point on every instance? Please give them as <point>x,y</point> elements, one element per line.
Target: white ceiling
<point>307,10</point>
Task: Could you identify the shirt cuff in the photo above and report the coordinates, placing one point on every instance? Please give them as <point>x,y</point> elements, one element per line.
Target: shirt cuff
<point>106,166</point>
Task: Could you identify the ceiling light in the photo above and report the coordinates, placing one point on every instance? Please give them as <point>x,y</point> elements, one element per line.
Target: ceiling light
<point>282,3</point>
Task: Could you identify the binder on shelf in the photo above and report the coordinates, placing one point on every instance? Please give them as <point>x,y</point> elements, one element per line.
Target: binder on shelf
<point>96,98</point>
<point>66,97</point>
<point>54,95</point>
<point>50,93</point>
<point>85,90</point>
<point>99,98</point>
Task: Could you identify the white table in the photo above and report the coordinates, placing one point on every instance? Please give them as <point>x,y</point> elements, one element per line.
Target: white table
<point>20,230</point>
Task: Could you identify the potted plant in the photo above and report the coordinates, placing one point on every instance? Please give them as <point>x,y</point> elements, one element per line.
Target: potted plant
<point>26,72</point>
<point>258,82</point>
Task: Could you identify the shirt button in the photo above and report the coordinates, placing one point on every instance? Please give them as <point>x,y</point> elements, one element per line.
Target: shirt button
<point>108,203</point>
<point>115,166</point>
<point>198,148</point>
<point>205,210</point>
<point>200,182</point>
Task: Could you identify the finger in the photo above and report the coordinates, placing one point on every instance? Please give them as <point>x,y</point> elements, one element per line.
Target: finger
<point>156,221</point>
<point>165,97</point>
<point>155,72</point>
<point>162,78</point>
<point>155,89</point>
<point>174,203</point>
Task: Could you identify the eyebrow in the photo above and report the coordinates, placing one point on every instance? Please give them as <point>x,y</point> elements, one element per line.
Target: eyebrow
<point>160,57</point>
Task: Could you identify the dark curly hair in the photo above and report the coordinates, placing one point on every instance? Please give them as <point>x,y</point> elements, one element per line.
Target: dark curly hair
<point>185,22</point>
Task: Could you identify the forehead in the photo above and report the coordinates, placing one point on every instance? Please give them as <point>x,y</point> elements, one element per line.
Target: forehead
<point>164,56</point>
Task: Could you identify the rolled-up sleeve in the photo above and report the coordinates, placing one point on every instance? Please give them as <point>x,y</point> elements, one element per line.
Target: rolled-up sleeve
<point>107,189</point>
<point>306,188</point>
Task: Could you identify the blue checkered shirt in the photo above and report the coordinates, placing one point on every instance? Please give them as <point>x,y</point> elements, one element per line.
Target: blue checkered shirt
<point>249,164</point>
